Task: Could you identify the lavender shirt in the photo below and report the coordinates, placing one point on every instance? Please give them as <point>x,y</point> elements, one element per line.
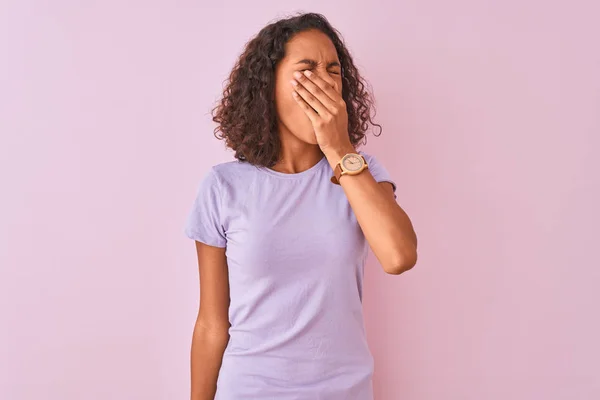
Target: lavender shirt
<point>295,254</point>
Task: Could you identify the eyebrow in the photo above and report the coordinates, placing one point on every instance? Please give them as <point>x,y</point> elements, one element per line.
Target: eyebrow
<point>313,63</point>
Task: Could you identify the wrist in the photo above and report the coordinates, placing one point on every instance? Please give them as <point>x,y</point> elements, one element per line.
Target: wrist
<point>335,155</point>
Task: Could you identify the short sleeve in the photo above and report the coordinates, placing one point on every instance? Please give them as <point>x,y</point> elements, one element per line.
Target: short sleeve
<point>379,172</point>
<point>203,222</point>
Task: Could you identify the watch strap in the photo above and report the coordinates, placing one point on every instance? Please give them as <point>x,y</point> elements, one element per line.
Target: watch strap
<point>337,173</point>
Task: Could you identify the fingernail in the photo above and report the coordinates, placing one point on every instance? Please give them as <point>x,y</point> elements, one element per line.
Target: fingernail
<point>297,74</point>
<point>293,82</point>
<point>307,73</point>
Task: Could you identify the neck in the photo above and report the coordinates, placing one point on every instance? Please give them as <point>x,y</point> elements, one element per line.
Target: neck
<point>297,156</point>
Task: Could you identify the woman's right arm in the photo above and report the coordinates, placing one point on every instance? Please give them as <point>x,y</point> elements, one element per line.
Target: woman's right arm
<point>211,332</point>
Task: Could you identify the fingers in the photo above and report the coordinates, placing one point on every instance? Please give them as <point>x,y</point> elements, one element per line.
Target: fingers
<point>326,87</point>
<point>312,114</point>
<point>309,98</point>
<point>311,84</point>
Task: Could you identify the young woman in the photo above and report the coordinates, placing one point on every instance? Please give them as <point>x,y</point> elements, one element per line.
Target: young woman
<point>283,232</point>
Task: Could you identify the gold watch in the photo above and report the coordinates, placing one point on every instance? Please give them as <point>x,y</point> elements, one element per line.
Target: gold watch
<point>350,164</point>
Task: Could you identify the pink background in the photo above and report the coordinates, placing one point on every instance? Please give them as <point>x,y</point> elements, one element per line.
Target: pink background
<point>491,128</point>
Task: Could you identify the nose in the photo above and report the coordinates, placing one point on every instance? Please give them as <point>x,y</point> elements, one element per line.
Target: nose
<point>327,78</point>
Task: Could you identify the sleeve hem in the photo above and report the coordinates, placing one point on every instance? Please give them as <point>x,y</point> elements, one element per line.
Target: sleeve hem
<point>394,186</point>
<point>197,236</point>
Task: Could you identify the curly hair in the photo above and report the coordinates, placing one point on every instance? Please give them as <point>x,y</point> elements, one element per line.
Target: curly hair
<point>246,115</point>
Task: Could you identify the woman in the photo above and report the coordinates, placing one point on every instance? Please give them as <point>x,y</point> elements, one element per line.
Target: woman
<point>282,233</point>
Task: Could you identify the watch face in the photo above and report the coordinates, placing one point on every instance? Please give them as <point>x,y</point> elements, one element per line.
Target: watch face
<point>352,162</point>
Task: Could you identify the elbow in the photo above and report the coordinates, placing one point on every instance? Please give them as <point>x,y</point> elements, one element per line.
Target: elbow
<point>213,331</point>
<point>402,263</point>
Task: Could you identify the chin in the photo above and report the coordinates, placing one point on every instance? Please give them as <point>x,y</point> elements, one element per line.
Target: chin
<point>311,139</point>
<point>302,129</point>
<point>308,135</point>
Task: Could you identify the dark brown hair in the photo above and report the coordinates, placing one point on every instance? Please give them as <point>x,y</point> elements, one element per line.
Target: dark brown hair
<point>246,114</point>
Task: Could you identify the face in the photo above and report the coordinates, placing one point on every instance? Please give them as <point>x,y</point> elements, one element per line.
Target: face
<point>314,51</point>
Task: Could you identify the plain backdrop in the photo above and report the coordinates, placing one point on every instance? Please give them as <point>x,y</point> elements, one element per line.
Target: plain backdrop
<point>491,127</point>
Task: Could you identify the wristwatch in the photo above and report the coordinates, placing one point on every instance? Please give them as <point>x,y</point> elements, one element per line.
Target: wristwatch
<point>350,164</point>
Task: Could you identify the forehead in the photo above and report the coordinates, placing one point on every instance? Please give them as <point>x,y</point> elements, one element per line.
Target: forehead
<point>312,44</point>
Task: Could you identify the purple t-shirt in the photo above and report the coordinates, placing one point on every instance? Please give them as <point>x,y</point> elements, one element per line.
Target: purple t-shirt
<point>295,254</point>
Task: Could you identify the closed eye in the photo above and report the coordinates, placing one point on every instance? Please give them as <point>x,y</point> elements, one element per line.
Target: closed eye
<point>331,72</point>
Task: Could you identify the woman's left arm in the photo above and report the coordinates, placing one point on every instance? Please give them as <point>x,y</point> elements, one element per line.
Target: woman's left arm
<point>386,226</point>
<point>384,223</point>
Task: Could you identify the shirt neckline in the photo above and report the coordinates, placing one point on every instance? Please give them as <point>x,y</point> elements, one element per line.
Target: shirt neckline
<point>296,175</point>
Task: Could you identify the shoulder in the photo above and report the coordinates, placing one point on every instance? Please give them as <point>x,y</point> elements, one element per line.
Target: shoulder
<point>230,166</point>
<point>231,177</point>
<point>378,170</point>
<point>224,174</point>
<point>371,158</point>
<point>232,170</point>
<point>222,183</point>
